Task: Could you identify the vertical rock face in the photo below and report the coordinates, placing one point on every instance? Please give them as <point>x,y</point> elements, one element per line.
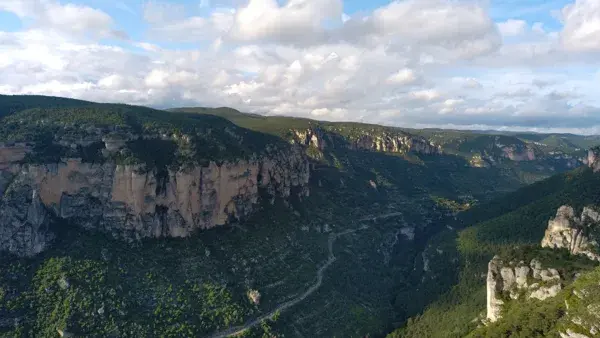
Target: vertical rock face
<point>574,233</point>
<point>494,285</point>
<point>396,144</point>
<point>511,280</point>
<point>517,154</point>
<point>312,137</point>
<point>12,153</point>
<point>377,141</point>
<point>132,202</point>
<point>24,221</point>
<point>593,159</point>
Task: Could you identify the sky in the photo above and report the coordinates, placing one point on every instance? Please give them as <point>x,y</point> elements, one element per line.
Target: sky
<point>464,64</point>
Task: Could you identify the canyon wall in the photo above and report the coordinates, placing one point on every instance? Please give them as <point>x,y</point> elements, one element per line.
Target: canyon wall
<point>131,202</point>
<point>377,141</point>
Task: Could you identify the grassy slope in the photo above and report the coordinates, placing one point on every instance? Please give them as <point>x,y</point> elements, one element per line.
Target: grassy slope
<point>519,218</point>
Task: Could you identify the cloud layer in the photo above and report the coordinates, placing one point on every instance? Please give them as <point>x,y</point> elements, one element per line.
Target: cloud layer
<point>413,63</point>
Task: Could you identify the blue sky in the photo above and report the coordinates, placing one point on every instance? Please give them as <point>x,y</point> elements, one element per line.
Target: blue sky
<point>446,63</point>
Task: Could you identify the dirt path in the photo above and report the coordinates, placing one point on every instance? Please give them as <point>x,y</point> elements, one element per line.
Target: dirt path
<point>234,331</point>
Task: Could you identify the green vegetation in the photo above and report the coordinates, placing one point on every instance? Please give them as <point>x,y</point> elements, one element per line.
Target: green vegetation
<point>172,139</point>
<point>534,318</point>
<point>511,226</point>
<point>526,319</point>
<point>92,285</point>
<point>10,104</point>
<point>452,205</point>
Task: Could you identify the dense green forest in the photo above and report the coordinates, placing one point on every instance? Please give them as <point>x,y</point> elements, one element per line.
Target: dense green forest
<point>511,226</point>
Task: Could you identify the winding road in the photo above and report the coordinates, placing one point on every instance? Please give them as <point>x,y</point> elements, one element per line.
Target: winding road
<point>237,330</point>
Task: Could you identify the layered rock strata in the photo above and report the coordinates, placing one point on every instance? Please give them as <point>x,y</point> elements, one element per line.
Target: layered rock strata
<point>380,141</point>
<point>132,202</point>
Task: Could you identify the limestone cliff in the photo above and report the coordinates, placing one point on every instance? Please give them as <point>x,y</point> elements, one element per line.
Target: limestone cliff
<point>380,141</point>
<point>519,154</point>
<point>510,280</point>
<point>130,201</point>
<point>396,143</point>
<point>575,233</point>
<point>593,159</point>
<point>11,153</point>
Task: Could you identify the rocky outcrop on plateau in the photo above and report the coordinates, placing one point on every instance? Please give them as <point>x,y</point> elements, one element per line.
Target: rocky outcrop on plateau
<point>132,201</point>
<point>391,142</point>
<point>593,159</point>
<point>575,233</point>
<point>519,154</point>
<point>510,280</point>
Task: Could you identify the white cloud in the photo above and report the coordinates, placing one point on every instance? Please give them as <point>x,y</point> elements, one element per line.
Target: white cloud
<point>433,20</point>
<point>411,63</point>
<point>298,21</point>
<point>403,77</point>
<point>113,81</point>
<point>462,27</point>
<point>453,102</point>
<point>66,18</point>
<point>330,114</point>
<point>512,27</point>
<point>425,95</point>
<point>56,88</point>
<point>581,30</point>
<point>471,83</point>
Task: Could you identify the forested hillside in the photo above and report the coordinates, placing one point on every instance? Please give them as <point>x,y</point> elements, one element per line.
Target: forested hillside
<point>511,227</point>
<point>127,221</point>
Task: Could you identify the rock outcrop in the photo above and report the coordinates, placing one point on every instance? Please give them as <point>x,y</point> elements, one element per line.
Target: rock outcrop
<point>593,159</point>
<point>24,221</point>
<point>519,154</point>
<point>391,142</point>
<point>511,280</point>
<point>313,137</point>
<point>11,153</point>
<point>131,201</point>
<point>575,233</point>
<point>396,143</point>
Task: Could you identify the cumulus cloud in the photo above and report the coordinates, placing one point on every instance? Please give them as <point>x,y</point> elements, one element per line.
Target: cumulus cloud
<point>403,77</point>
<point>298,21</point>
<point>66,18</point>
<point>425,95</point>
<point>410,63</point>
<point>513,27</point>
<point>434,20</point>
<point>463,28</point>
<point>581,25</point>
